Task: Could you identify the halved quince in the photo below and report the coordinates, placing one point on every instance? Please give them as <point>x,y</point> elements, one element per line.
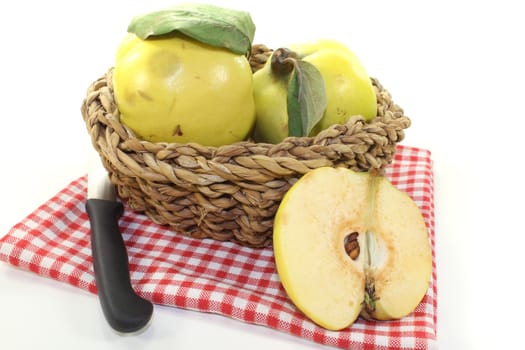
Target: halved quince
<point>349,244</point>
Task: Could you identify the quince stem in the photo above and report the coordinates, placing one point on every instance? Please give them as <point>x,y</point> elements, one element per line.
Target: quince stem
<point>283,62</point>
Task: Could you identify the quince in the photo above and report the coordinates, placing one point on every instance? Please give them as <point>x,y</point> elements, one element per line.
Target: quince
<point>348,88</point>
<point>348,244</point>
<point>173,88</point>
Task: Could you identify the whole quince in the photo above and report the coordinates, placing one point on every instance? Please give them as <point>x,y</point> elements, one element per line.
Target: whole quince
<point>173,88</point>
<point>348,89</point>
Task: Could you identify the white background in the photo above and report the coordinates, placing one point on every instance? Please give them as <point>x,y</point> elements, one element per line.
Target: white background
<point>456,67</point>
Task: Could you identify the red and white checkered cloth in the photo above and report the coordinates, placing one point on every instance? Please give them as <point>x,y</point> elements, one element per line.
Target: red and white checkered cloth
<point>210,276</point>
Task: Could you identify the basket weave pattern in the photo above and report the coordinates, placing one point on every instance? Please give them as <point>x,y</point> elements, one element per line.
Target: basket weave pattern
<point>232,192</point>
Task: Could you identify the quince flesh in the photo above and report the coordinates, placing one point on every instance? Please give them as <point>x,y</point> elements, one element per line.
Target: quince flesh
<point>387,273</point>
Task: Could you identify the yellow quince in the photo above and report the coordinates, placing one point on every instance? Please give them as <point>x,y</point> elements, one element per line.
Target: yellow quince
<point>173,88</point>
<point>348,89</point>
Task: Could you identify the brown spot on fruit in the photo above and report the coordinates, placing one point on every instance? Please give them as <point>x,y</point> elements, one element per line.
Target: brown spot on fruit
<point>178,131</point>
<point>144,95</point>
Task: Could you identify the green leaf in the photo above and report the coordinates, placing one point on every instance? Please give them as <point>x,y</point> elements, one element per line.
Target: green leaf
<point>306,99</point>
<point>208,24</point>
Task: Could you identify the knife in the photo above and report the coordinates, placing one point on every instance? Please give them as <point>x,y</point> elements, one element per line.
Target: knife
<point>124,310</point>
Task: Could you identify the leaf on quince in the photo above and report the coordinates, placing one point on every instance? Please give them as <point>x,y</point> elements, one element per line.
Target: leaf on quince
<point>209,24</point>
<point>306,99</point>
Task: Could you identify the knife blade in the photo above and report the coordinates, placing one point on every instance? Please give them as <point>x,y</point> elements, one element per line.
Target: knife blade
<point>124,310</point>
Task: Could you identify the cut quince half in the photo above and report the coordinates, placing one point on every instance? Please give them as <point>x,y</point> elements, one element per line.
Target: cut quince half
<point>349,244</point>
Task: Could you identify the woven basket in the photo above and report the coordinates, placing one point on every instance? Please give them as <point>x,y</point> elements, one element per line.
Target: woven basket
<point>229,193</point>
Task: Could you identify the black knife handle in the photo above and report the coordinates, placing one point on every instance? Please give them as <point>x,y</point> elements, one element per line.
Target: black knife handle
<point>124,310</point>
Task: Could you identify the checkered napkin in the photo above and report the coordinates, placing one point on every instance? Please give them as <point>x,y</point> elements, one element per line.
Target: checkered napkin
<point>211,276</point>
